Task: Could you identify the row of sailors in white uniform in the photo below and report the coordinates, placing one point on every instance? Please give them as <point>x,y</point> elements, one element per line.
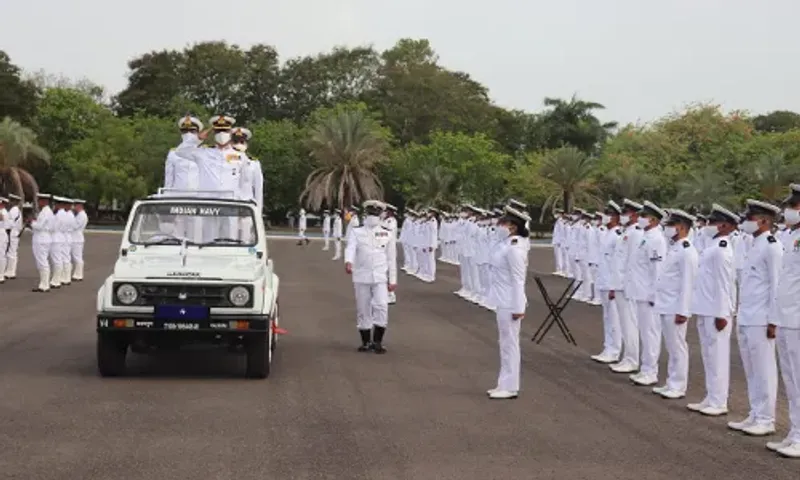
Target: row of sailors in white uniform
<point>11,226</point>
<point>466,240</point>
<point>650,283</point>
<point>58,240</point>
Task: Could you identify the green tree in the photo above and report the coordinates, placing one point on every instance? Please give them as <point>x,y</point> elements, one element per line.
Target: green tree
<point>17,95</point>
<point>572,171</point>
<point>347,147</point>
<point>18,150</point>
<point>773,173</point>
<point>434,186</point>
<point>778,121</point>
<point>573,123</point>
<point>701,188</point>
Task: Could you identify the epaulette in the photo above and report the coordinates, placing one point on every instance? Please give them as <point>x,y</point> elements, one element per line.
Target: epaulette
<point>637,227</point>
<point>723,243</point>
<point>686,244</point>
<point>619,231</point>
<point>386,228</point>
<point>513,241</point>
<point>771,239</point>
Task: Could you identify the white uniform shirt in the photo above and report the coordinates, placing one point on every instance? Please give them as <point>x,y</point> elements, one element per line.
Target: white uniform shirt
<point>675,282</point>
<point>326,223</point>
<point>607,278</point>
<point>180,173</point>
<point>43,226</point>
<point>644,264</point>
<point>5,224</point>
<point>391,224</point>
<point>789,285</point>
<point>353,223</point>
<point>219,169</point>
<point>62,231</point>
<point>15,220</point>
<point>508,271</point>
<point>251,186</point>
<point>373,253</point>
<point>758,293</point>
<point>81,220</point>
<point>714,288</point>
<point>337,226</point>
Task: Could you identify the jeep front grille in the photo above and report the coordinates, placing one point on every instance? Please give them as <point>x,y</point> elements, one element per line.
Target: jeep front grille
<point>170,294</point>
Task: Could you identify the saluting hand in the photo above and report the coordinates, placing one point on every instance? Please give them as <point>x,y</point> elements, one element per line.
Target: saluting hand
<point>204,134</point>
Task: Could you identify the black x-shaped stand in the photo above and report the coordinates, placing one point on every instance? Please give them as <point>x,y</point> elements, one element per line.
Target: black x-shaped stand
<point>554,317</point>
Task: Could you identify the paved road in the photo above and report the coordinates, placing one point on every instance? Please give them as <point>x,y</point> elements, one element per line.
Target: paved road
<point>327,412</point>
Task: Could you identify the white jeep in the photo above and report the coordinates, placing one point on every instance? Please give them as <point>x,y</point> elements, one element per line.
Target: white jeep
<point>190,271</point>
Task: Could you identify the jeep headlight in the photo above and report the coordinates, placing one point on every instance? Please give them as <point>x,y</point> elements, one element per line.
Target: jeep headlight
<point>239,296</point>
<point>127,294</point>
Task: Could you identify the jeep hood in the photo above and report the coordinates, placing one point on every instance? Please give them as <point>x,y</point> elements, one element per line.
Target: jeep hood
<point>197,266</point>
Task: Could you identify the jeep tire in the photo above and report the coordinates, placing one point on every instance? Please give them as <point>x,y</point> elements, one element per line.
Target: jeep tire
<point>259,356</point>
<point>111,352</point>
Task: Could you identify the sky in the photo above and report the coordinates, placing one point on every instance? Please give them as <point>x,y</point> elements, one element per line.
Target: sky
<point>642,59</point>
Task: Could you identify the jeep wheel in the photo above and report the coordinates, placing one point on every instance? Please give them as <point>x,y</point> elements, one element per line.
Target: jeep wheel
<point>276,323</point>
<point>259,357</point>
<point>111,353</point>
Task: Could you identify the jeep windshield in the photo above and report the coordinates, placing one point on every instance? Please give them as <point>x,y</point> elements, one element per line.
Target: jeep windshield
<point>204,224</point>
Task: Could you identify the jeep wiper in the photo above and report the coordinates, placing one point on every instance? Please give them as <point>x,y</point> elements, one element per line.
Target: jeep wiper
<point>167,240</point>
<point>220,240</point>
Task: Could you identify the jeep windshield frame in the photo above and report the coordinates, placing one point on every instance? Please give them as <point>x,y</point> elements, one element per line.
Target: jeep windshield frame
<point>200,223</point>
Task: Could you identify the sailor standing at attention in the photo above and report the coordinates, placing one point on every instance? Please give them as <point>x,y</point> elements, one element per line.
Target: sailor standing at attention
<point>58,244</point>
<point>788,324</point>
<point>251,181</point>
<point>5,227</point>
<point>69,225</point>
<point>337,234</point>
<point>389,221</point>
<point>713,303</point>
<point>508,271</point>
<point>646,261</point>
<point>673,301</point>
<point>77,242</point>
<point>607,281</point>
<point>181,174</point>
<point>302,224</point>
<point>14,230</point>
<point>42,238</point>
<point>327,219</point>
<point>757,317</point>
<point>371,258</point>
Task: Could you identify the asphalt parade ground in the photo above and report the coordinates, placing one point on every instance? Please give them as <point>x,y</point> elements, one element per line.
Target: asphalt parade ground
<point>329,412</point>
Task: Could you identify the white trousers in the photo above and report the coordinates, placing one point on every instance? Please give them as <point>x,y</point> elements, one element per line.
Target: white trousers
<point>788,340</point>
<point>431,259</point>
<point>463,272</point>
<point>577,274</point>
<point>13,246</point>
<point>301,234</point>
<point>612,336</point>
<point>372,305</point>
<point>587,274</point>
<point>406,256</point>
<point>760,370</point>
<point>337,246</point>
<point>715,347</point>
<point>327,235</point>
<point>557,256</point>
<point>569,264</point>
<point>650,336</point>
<point>510,358</point>
<point>76,252</point>
<point>630,327</point>
<point>41,254</point>
<point>678,352</point>
<point>475,281</point>
<point>3,248</point>
<point>483,274</point>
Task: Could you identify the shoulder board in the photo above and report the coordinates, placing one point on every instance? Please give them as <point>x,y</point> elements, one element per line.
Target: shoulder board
<point>686,244</point>
<point>771,239</point>
<point>385,228</point>
<point>619,231</point>
<point>172,149</point>
<point>254,159</point>
<point>637,227</point>
<point>723,243</point>
<point>514,241</point>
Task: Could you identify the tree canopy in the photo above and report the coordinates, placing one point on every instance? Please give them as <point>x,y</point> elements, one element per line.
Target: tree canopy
<point>351,123</point>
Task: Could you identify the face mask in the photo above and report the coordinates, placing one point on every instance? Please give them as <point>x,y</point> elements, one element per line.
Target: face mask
<point>222,138</point>
<point>643,223</point>
<point>624,219</point>
<point>791,216</point>
<point>605,219</point>
<point>188,137</point>
<point>503,231</point>
<point>670,232</point>
<point>711,230</point>
<point>462,215</point>
<point>596,223</point>
<point>372,221</point>
<point>575,218</point>
<point>750,226</point>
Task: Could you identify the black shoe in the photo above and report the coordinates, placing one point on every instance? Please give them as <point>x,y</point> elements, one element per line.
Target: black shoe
<point>366,341</point>
<point>377,339</point>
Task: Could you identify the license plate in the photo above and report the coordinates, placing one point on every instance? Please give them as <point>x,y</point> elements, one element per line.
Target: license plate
<point>178,313</point>
<point>181,326</point>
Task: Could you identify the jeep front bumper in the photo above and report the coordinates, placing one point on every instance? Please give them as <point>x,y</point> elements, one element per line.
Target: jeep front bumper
<point>214,323</point>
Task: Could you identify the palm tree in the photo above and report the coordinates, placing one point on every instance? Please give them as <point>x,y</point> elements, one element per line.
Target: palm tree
<point>573,123</point>
<point>347,147</point>
<point>435,186</point>
<point>773,173</point>
<point>629,181</point>
<point>702,188</point>
<point>571,171</point>
<point>18,149</point>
